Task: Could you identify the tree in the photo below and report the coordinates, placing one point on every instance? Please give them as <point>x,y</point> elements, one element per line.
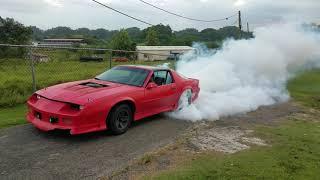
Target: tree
<point>122,41</point>
<point>12,32</point>
<point>152,37</point>
<point>59,32</point>
<point>186,37</point>
<point>37,34</point>
<point>135,34</point>
<point>210,34</point>
<point>164,33</point>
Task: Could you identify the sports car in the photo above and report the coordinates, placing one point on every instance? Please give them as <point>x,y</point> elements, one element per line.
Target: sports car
<point>111,100</point>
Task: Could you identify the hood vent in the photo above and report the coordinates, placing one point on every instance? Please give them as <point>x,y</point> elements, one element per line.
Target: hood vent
<point>93,85</point>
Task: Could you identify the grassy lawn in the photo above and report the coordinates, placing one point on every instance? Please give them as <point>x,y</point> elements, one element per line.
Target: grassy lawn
<point>294,154</point>
<point>12,116</point>
<point>306,88</point>
<point>16,81</point>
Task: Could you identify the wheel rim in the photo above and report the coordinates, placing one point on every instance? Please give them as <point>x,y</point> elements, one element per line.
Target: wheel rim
<point>122,119</point>
<point>185,99</point>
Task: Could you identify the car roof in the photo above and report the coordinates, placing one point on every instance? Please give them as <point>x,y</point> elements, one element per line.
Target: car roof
<point>153,68</point>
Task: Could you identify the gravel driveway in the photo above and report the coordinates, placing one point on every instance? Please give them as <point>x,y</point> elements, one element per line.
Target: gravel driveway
<point>27,153</point>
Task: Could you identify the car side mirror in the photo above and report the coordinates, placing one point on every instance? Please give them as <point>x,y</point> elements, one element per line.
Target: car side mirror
<point>151,85</point>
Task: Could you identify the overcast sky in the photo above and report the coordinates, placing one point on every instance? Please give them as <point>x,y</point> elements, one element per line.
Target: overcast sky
<point>85,13</point>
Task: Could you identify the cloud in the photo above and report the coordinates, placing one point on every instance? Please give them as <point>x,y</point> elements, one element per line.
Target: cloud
<point>85,13</point>
<point>18,6</point>
<point>55,3</point>
<point>239,2</point>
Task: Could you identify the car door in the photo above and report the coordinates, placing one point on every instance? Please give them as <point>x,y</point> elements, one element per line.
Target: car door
<point>161,98</point>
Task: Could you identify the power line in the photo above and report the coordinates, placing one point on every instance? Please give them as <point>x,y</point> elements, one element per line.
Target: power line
<point>122,13</point>
<point>234,23</point>
<point>185,17</point>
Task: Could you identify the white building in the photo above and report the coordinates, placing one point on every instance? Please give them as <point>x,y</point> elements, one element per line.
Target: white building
<point>62,42</point>
<point>152,53</point>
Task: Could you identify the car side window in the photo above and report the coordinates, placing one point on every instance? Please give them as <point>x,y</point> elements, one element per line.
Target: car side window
<point>169,78</point>
<point>162,78</point>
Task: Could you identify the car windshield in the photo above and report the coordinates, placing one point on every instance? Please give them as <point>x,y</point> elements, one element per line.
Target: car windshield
<point>125,75</point>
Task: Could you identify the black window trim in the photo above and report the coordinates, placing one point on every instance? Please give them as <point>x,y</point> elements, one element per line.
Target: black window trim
<point>168,71</point>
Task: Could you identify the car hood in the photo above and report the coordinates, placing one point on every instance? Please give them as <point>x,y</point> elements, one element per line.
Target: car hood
<point>82,92</point>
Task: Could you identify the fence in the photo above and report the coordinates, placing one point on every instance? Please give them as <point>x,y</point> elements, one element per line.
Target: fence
<point>24,68</point>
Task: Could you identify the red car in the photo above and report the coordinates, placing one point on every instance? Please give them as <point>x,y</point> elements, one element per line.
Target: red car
<point>112,100</point>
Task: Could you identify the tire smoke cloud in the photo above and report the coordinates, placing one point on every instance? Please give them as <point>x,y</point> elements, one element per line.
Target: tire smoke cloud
<point>246,74</point>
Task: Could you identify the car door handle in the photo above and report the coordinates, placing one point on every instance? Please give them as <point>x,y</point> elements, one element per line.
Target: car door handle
<point>173,87</point>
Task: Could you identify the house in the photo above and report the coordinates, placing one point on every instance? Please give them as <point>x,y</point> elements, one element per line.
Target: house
<point>62,42</point>
<point>152,53</point>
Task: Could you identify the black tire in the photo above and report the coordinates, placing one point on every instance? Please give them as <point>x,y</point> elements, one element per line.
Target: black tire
<point>120,119</point>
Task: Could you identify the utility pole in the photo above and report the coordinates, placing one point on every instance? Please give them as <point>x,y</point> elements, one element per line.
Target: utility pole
<point>248,30</point>
<point>240,25</point>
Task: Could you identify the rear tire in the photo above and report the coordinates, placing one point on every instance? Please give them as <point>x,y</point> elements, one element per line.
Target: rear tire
<point>185,99</point>
<point>120,119</point>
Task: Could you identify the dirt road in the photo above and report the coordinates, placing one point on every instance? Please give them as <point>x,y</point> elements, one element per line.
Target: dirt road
<point>26,153</point>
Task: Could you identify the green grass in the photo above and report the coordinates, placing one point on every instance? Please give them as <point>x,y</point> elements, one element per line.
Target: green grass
<point>12,116</point>
<point>16,80</point>
<point>306,88</point>
<point>294,154</point>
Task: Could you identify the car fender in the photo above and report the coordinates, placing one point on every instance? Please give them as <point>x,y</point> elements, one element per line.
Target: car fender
<point>186,88</point>
<point>180,93</point>
<point>118,100</point>
<point>109,107</point>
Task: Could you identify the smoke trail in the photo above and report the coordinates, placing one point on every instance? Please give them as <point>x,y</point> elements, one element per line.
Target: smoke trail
<point>247,74</point>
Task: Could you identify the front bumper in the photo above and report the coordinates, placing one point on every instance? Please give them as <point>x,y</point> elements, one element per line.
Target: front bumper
<point>46,125</point>
<point>49,115</point>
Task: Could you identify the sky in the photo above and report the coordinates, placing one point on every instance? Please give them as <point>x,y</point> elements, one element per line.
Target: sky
<point>46,14</point>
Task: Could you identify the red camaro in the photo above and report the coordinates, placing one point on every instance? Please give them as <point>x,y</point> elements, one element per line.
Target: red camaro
<point>112,100</point>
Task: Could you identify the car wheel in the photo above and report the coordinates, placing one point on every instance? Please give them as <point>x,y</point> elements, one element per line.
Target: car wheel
<point>120,119</point>
<point>185,99</point>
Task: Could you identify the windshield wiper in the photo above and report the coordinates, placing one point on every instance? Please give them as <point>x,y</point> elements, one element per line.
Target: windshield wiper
<point>97,79</point>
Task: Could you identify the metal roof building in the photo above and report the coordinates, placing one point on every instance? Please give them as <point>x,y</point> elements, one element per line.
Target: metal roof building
<point>61,42</point>
<point>161,52</point>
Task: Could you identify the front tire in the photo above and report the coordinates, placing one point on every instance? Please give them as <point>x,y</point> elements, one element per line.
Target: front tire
<point>120,119</point>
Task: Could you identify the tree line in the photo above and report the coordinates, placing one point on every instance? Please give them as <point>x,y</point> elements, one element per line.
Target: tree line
<point>155,35</point>
<point>13,32</point>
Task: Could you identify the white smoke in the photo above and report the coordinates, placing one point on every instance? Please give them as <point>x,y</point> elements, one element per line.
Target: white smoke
<point>247,74</point>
